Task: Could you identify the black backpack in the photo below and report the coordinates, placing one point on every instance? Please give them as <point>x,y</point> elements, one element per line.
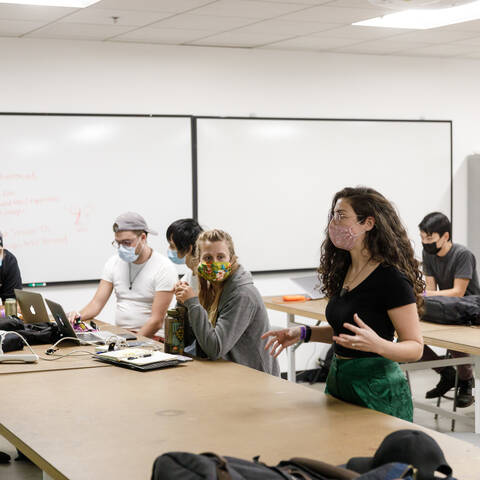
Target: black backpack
<point>453,310</point>
<point>209,466</point>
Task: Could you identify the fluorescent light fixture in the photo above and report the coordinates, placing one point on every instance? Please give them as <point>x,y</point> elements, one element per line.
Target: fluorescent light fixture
<point>53,3</point>
<point>419,19</point>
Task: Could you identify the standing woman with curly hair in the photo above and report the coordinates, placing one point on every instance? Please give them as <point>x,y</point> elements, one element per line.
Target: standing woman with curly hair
<point>374,285</point>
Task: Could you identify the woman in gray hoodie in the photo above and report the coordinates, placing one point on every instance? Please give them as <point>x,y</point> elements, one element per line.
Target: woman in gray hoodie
<point>228,317</point>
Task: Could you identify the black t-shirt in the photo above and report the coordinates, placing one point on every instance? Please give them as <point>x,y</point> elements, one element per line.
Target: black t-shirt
<point>10,277</point>
<point>385,288</point>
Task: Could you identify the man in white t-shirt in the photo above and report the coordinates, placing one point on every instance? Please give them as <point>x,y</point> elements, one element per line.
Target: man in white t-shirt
<point>143,280</point>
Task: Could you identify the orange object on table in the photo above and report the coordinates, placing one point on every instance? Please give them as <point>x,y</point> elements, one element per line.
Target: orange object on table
<point>295,298</point>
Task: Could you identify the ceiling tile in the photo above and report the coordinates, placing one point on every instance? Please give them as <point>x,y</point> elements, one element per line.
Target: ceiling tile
<point>356,4</point>
<point>287,27</point>
<point>299,2</point>
<point>248,8</point>
<point>475,55</point>
<point>310,43</point>
<point>78,31</point>
<point>100,16</point>
<point>435,35</point>
<point>203,22</point>
<point>33,13</point>
<point>15,28</point>
<point>328,14</point>
<point>365,33</point>
<point>233,39</point>
<point>474,42</point>
<point>441,51</point>
<point>173,6</point>
<point>382,47</point>
<point>170,36</point>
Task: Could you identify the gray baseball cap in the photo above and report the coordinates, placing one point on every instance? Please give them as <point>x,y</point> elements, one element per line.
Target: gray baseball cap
<point>132,221</point>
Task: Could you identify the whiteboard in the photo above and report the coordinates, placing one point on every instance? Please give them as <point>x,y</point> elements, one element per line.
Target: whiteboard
<point>270,182</point>
<point>64,180</point>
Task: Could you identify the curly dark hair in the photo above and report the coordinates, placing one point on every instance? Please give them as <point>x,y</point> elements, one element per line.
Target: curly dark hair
<point>387,242</point>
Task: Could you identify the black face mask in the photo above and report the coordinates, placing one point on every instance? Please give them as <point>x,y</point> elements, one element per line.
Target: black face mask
<point>431,248</point>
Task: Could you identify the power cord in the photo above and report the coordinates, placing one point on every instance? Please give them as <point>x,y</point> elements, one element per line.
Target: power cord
<point>113,342</point>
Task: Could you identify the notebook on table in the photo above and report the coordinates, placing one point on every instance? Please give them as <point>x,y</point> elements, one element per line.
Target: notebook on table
<point>139,359</point>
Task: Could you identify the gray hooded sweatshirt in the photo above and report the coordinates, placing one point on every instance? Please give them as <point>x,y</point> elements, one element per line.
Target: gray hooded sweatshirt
<point>242,319</point>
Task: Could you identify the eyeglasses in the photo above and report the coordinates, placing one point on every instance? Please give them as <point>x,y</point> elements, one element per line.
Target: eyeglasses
<point>125,243</point>
<point>339,216</point>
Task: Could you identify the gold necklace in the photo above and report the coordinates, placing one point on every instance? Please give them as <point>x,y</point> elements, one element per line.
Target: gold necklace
<point>346,286</point>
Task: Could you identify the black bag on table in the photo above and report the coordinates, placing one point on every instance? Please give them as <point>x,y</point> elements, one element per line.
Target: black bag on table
<point>209,466</point>
<point>452,310</point>
<point>34,333</point>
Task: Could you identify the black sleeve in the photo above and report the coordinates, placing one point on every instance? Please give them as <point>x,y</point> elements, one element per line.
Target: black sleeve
<point>398,291</point>
<point>427,264</point>
<point>10,276</point>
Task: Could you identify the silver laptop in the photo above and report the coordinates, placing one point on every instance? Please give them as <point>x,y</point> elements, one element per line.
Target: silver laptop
<point>32,306</point>
<point>309,285</point>
<point>66,329</point>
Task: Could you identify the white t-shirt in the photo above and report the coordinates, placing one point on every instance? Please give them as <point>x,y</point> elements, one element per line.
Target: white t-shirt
<point>191,279</point>
<point>134,306</point>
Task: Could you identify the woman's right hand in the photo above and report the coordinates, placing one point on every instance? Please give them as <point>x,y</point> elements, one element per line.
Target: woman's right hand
<point>281,339</point>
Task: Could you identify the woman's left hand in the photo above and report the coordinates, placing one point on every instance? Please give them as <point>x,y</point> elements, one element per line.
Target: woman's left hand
<point>183,292</point>
<point>365,339</point>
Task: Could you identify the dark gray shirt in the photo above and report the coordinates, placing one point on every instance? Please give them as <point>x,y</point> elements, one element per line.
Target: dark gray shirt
<point>459,262</point>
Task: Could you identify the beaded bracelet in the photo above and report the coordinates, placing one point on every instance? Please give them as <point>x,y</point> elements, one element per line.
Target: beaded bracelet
<point>303,332</point>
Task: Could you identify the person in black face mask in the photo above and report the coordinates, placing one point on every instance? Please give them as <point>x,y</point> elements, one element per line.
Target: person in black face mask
<point>450,270</point>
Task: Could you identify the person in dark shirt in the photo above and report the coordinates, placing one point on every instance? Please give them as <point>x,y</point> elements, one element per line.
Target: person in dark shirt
<point>10,277</point>
<point>450,270</point>
<point>375,287</point>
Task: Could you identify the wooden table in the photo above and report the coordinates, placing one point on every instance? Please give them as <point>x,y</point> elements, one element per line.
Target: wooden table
<point>112,423</point>
<point>460,338</point>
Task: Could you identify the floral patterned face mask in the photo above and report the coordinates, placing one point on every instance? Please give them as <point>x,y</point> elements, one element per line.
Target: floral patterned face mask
<point>215,271</point>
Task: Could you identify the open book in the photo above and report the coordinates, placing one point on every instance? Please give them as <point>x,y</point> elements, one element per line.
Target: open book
<point>140,359</point>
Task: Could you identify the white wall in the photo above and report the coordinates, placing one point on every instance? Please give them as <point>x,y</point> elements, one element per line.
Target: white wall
<point>91,77</point>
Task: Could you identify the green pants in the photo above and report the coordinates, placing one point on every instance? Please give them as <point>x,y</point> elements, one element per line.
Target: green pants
<point>373,382</point>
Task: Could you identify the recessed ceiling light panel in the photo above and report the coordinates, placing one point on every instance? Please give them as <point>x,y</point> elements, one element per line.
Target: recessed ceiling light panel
<point>53,3</point>
<point>423,4</point>
<point>421,19</point>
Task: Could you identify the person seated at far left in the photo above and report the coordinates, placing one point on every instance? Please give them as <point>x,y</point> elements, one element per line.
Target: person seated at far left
<point>10,277</point>
<point>143,280</point>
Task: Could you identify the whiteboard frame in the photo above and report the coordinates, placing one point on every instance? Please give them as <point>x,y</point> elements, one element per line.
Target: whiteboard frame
<point>319,119</point>
<point>116,115</point>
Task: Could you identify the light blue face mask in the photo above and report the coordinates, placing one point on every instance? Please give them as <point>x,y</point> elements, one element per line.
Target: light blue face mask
<point>127,254</point>
<point>173,256</point>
